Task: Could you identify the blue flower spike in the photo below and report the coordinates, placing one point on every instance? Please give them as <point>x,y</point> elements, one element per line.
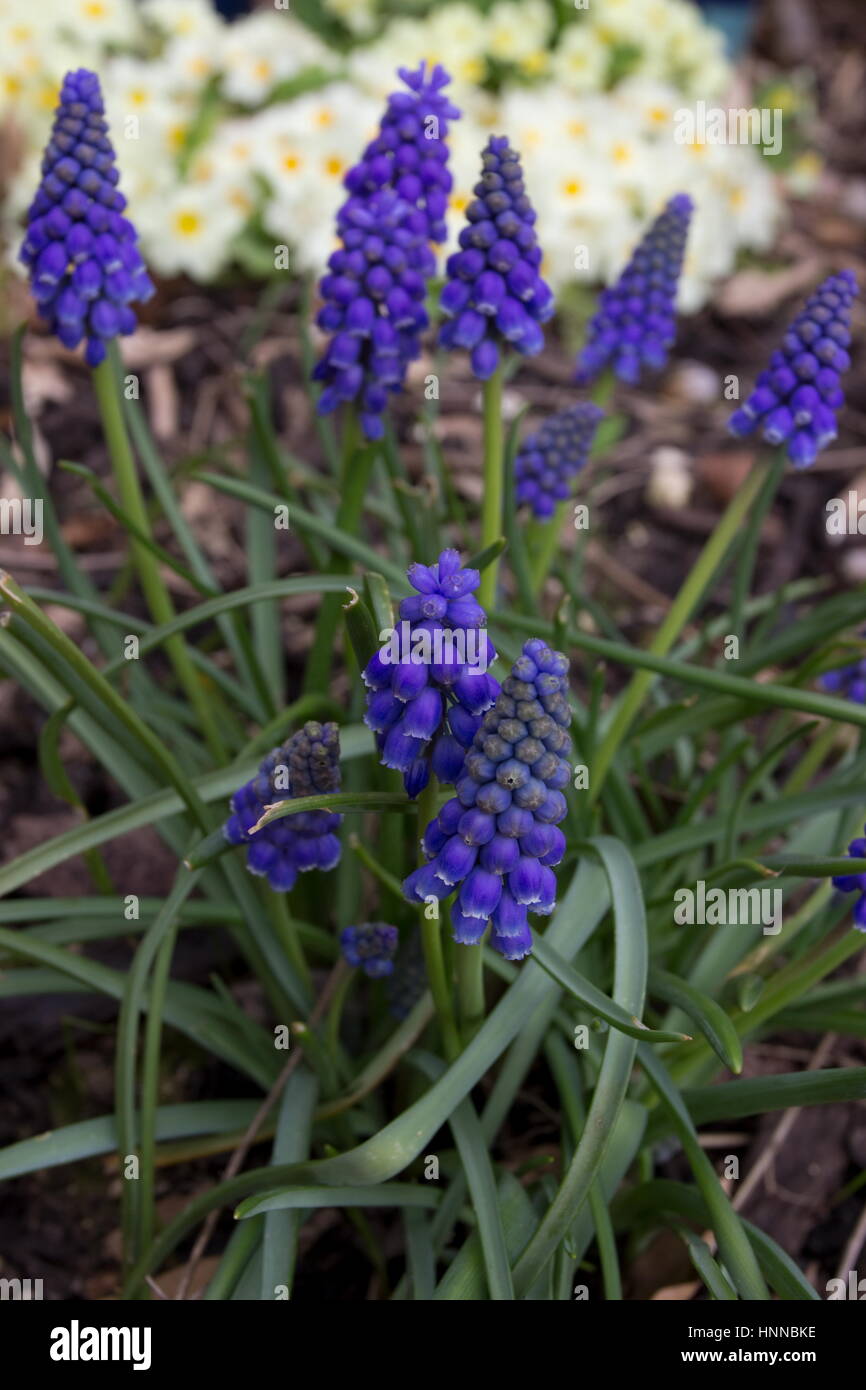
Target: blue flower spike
<point>549,459</point>
<point>855,883</point>
<point>796,398</point>
<point>374,289</point>
<point>370,947</point>
<point>848,682</point>
<point>307,764</point>
<point>409,153</point>
<point>497,841</point>
<point>81,252</point>
<point>495,296</point>
<point>635,323</point>
<point>428,688</point>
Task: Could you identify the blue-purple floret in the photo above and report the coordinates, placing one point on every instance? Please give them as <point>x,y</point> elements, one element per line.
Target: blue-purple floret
<point>847,681</point>
<point>855,883</point>
<point>81,253</point>
<point>549,458</point>
<point>307,764</point>
<point>498,840</point>
<point>495,295</point>
<point>372,947</point>
<point>635,323</point>
<point>376,283</point>
<point>796,398</point>
<point>429,687</point>
<point>409,154</point>
<point>373,305</point>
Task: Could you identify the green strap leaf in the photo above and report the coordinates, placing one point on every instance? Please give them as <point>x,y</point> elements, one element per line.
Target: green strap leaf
<point>704,1012</point>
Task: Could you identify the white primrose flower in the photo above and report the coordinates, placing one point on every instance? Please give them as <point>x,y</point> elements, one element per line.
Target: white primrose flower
<point>259,51</point>
<point>183,19</point>
<point>190,231</point>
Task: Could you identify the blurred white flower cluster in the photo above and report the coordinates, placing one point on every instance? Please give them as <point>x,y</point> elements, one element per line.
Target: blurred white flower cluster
<point>235,137</point>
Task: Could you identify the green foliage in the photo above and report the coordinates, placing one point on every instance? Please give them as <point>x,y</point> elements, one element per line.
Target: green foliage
<point>632,1018</point>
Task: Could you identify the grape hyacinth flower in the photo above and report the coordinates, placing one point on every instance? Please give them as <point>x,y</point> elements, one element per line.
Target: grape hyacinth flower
<point>495,294</point>
<point>81,253</point>
<point>498,840</point>
<point>376,283</point>
<point>373,305</point>
<point>635,323</point>
<point>410,155</point>
<point>796,398</point>
<point>371,946</point>
<point>855,883</point>
<point>307,764</point>
<point>429,685</point>
<point>549,459</point>
<point>847,681</point>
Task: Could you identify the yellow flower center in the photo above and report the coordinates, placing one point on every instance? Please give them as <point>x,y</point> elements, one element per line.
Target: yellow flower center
<point>572,188</point>
<point>187,224</point>
<point>334,165</point>
<point>471,69</point>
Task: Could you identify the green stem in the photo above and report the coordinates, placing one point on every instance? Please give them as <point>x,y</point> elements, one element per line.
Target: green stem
<point>431,939</point>
<point>812,760</point>
<point>749,554</point>
<point>357,464</point>
<point>287,934</point>
<point>542,538</point>
<point>335,1012</point>
<point>155,592</point>
<point>679,614</point>
<point>470,989</point>
<point>492,484</point>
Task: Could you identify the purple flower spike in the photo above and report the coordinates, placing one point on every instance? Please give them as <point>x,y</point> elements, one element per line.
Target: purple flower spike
<point>549,459</point>
<point>373,305</point>
<point>635,323</point>
<point>795,400</point>
<point>848,682</point>
<point>496,842</point>
<point>80,251</point>
<point>371,946</point>
<point>373,293</point>
<point>429,686</point>
<point>495,295</point>
<point>855,883</point>
<point>307,764</point>
<point>409,153</point>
